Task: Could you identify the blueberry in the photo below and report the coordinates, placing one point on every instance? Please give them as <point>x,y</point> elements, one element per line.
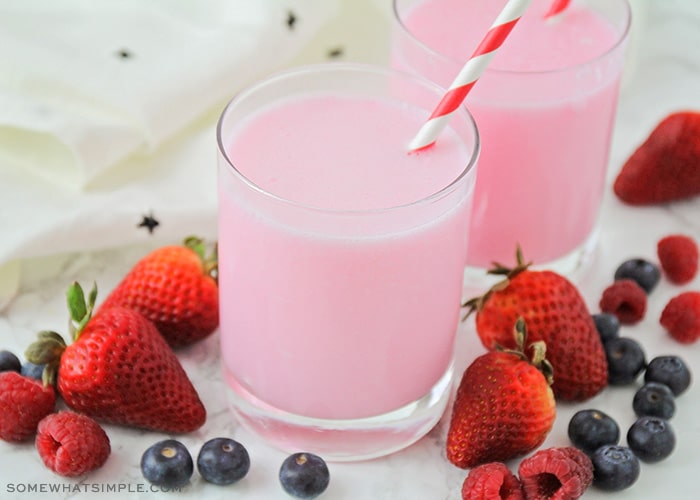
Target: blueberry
<point>655,400</point>
<point>626,360</point>
<point>615,467</point>
<point>167,463</point>
<point>590,429</point>
<point>669,370</point>
<point>304,475</point>
<point>651,438</point>
<point>32,370</point>
<point>608,326</point>
<point>9,362</point>
<point>223,461</point>
<point>645,273</point>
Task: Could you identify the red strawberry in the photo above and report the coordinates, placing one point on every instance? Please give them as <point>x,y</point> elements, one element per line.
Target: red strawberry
<point>562,473</point>
<point>504,406</point>
<point>24,402</point>
<point>175,288</point>
<point>681,317</point>
<point>678,256</point>
<point>491,481</point>
<point>666,167</point>
<point>556,313</point>
<point>71,444</point>
<point>119,369</point>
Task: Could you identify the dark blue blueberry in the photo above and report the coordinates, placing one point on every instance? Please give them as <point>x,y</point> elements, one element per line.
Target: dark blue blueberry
<point>645,273</point>
<point>655,400</point>
<point>32,370</point>
<point>304,475</point>
<point>669,370</point>
<point>223,461</point>
<point>608,326</point>
<point>651,438</point>
<point>9,362</point>
<point>590,429</point>
<point>167,463</point>
<point>615,467</point>
<point>626,360</point>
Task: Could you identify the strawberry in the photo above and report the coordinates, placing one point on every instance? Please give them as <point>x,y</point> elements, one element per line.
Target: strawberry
<point>556,313</point>
<point>666,167</point>
<point>504,406</point>
<point>176,289</point>
<point>119,369</point>
<point>71,444</point>
<point>24,401</point>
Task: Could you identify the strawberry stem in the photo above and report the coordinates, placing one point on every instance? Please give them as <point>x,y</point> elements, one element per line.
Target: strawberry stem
<point>475,304</point>
<point>49,346</point>
<point>539,350</point>
<point>47,351</point>
<point>80,310</point>
<point>211,262</point>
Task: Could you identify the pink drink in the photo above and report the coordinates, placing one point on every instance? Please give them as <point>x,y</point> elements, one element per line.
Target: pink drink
<point>545,108</point>
<point>341,280</point>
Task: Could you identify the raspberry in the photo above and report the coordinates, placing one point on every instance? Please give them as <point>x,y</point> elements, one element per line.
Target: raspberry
<point>23,403</point>
<point>681,317</point>
<point>556,473</point>
<point>678,256</point>
<point>71,444</point>
<point>626,300</point>
<point>491,481</point>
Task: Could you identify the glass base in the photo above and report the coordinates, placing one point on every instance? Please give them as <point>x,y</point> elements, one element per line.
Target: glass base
<point>341,440</point>
<point>573,266</point>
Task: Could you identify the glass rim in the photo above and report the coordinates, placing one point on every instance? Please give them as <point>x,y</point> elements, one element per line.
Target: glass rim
<point>501,71</point>
<point>309,69</point>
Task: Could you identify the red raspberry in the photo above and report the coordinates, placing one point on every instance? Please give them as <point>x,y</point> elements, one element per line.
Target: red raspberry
<point>678,256</point>
<point>626,300</point>
<point>491,481</point>
<point>71,444</point>
<point>24,402</point>
<point>681,317</point>
<point>556,473</point>
<point>585,470</point>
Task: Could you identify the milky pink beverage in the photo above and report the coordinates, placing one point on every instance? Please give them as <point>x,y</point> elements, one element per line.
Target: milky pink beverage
<point>340,258</point>
<point>545,108</point>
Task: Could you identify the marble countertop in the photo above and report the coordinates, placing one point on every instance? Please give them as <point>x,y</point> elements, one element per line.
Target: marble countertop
<point>664,76</point>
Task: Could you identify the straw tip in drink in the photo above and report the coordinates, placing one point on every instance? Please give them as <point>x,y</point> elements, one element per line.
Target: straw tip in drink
<point>418,147</point>
<point>556,9</point>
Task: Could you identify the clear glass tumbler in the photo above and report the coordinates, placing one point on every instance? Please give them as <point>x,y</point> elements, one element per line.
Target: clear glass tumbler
<point>341,258</point>
<point>545,107</point>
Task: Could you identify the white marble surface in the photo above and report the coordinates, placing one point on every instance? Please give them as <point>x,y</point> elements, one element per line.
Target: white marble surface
<point>666,78</point>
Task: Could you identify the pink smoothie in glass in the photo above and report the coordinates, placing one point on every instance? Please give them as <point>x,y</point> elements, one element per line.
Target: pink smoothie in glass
<point>545,109</point>
<point>326,313</point>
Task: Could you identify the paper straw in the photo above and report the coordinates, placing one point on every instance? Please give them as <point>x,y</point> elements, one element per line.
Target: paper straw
<point>556,7</point>
<point>469,74</point>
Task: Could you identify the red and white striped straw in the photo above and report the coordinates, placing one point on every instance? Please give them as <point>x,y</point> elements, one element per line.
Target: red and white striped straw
<point>470,73</point>
<point>556,7</point>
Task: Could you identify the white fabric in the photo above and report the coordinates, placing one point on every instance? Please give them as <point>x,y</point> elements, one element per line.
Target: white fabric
<point>108,110</point>
<point>84,84</point>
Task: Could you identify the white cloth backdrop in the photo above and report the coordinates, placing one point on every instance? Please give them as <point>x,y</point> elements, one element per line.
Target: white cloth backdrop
<point>108,109</point>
